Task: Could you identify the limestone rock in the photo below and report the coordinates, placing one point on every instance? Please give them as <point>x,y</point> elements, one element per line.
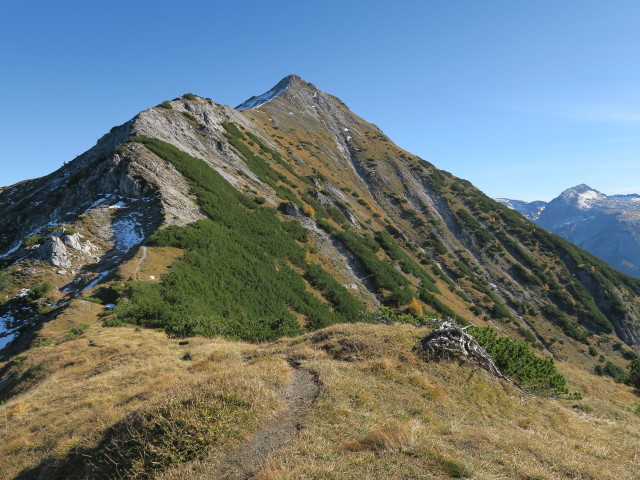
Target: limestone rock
<point>54,251</point>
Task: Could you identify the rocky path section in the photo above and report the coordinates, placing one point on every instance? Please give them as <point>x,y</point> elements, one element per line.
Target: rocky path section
<point>300,395</point>
<point>142,258</point>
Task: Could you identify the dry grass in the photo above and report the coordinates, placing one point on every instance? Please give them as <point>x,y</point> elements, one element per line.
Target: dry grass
<point>93,382</point>
<point>152,267</point>
<point>463,424</point>
<point>382,413</point>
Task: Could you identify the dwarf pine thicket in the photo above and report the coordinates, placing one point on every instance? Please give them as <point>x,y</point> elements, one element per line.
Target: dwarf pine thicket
<point>239,277</point>
<point>516,360</point>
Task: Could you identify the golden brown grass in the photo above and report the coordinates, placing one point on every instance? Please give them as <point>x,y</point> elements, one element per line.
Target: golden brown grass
<point>382,412</point>
<point>88,384</point>
<point>462,423</point>
<point>155,264</point>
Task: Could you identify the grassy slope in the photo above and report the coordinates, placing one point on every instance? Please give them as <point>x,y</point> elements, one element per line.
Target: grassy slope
<point>383,411</point>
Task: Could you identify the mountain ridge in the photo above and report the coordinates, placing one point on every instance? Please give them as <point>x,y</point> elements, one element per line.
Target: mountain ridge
<point>606,225</point>
<point>323,132</point>
<point>160,290</point>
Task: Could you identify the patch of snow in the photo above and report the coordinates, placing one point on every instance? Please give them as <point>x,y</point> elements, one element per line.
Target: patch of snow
<point>6,334</point>
<point>152,277</point>
<point>96,281</point>
<point>585,199</point>
<point>255,102</point>
<point>110,306</point>
<point>127,233</point>
<point>95,204</point>
<point>120,204</point>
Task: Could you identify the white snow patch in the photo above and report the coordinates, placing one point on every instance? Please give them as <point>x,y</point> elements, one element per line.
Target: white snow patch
<point>96,281</point>
<point>586,199</point>
<point>6,335</point>
<point>255,102</point>
<point>120,204</point>
<point>127,233</point>
<point>152,277</point>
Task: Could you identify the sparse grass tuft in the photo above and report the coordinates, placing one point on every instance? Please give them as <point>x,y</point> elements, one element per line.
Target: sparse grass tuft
<point>394,436</point>
<point>75,332</point>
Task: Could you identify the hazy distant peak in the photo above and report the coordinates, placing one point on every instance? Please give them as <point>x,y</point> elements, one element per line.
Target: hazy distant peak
<point>582,195</point>
<point>276,91</point>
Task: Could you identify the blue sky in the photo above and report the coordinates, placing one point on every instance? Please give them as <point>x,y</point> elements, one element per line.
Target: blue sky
<point>524,99</point>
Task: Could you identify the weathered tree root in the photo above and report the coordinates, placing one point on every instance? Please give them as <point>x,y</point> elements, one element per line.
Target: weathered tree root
<point>451,342</point>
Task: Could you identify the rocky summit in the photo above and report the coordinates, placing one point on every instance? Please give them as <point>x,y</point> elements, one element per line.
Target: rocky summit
<point>203,269</point>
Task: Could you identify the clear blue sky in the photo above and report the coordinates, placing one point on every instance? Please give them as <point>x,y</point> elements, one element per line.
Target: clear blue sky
<point>524,99</point>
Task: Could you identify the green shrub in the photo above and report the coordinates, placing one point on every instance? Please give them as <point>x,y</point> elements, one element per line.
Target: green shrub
<point>516,360</point>
<point>45,310</point>
<point>633,375</point>
<point>32,240</point>
<point>189,96</point>
<point>75,332</point>
<point>614,371</point>
<point>165,104</point>
<point>40,290</point>
<point>188,116</point>
<point>6,278</point>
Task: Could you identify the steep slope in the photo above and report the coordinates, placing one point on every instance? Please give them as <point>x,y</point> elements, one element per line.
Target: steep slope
<point>607,226</point>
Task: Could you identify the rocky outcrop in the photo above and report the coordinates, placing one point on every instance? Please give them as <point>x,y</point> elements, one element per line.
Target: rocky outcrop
<point>77,242</point>
<point>53,250</point>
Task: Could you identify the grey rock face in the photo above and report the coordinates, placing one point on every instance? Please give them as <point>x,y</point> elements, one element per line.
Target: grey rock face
<point>54,251</point>
<point>74,241</point>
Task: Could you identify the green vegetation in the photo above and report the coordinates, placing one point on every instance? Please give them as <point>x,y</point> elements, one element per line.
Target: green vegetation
<point>239,277</point>
<point>32,240</point>
<point>189,96</point>
<point>165,104</point>
<point>6,278</point>
<point>408,265</point>
<point>387,316</point>
<point>633,375</point>
<point>188,116</point>
<point>39,290</point>
<point>571,328</point>
<point>382,272</point>
<point>76,331</point>
<point>516,360</point>
<point>45,310</point>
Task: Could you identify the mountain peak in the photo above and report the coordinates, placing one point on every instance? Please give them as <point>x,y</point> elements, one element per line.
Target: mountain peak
<point>276,91</point>
<point>582,188</point>
<point>581,196</point>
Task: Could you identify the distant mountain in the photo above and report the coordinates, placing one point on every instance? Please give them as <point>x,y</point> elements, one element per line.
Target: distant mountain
<point>531,210</point>
<point>607,226</point>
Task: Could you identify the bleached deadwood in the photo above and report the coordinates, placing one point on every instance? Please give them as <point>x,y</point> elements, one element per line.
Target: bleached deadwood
<point>451,342</point>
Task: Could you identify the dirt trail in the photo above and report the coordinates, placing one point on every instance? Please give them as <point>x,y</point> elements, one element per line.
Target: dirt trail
<point>300,394</point>
<point>144,255</point>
